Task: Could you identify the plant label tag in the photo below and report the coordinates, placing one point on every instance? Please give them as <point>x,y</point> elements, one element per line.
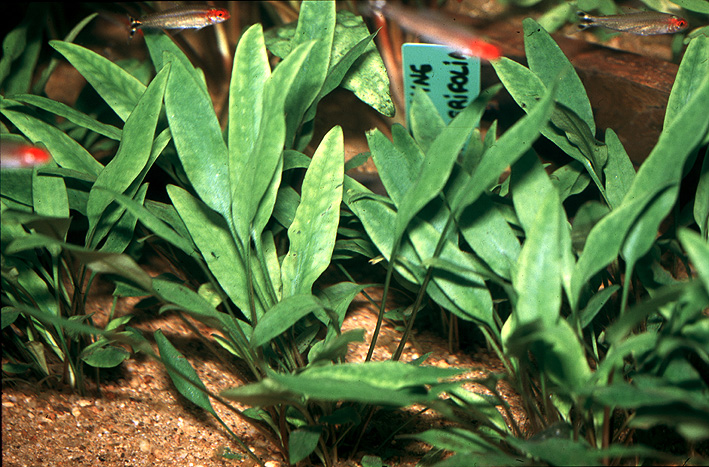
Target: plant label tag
<point>452,81</point>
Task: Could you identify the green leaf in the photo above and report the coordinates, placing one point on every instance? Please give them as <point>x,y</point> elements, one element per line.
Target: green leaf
<point>527,89</point>
<point>154,223</point>
<point>302,442</point>
<point>468,298</point>
<point>132,156</point>
<point>49,195</point>
<point>693,5</point>
<point>9,315</point>
<point>549,63</point>
<point>570,179</point>
<point>312,233</point>
<point>108,263</point>
<point>334,348</point>
<point>425,121</point>
<point>263,393</point>
<point>595,304</point>
<point>121,233</point>
<point>256,179</point>
<point>199,308</point>
<point>248,78</point>
<point>339,69</point>
<point>490,236</point>
<point>557,451</point>
<point>106,356</point>
<point>74,116</point>
<point>557,16</point>
<point>13,45</point>
<point>619,172</point>
<point>198,138</point>
<point>530,185</point>
<point>698,252</point>
<point>210,233</point>
<point>691,74</point>
<point>463,441</point>
<point>117,87</point>
<point>183,376</point>
<point>21,50</point>
<point>163,50</point>
<point>367,78</point>
<point>537,276</point>
<point>463,292</point>
<point>338,297</point>
<point>282,316</point>
<point>398,162</point>
<point>316,22</point>
<point>390,383</point>
<point>701,198</point>
<point>504,152</point>
<point>371,461</point>
<point>558,353</point>
<point>436,167</point>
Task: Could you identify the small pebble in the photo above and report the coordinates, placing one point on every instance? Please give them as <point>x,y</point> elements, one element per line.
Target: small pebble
<point>144,446</point>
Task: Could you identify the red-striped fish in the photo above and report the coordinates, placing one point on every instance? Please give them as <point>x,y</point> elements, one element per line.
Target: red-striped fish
<point>437,28</point>
<point>183,17</point>
<point>14,155</point>
<point>644,23</point>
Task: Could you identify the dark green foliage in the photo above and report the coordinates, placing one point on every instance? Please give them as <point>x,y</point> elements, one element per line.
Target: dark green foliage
<point>593,362</point>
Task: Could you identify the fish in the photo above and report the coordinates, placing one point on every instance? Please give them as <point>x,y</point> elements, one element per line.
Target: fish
<point>17,155</point>
<point>644,23</point>
<point>437,28</point>
<point>183,17</point>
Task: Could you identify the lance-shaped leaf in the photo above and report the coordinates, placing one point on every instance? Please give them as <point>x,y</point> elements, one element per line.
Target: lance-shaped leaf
<point>314,228</point>
<point>117,87</point>
<point>198,138</point>
<point>183,376</point>
<point>282,316</point>
<point>211,234</point>
<point>549,63</point>
<point>257,175</point>
<point>133,153</point>
<point>248,78</point>
<point>316,22</point>
<point>537,275</point>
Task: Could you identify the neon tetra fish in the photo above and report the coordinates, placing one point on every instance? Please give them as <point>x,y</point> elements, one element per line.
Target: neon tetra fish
<point>18,155</point>
<point>437,28</point>
<point>184,17</point>
<point>644,23</point>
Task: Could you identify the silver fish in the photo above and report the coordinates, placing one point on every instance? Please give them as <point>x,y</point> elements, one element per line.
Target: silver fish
<point>183,17</point>
<point>644,23</point>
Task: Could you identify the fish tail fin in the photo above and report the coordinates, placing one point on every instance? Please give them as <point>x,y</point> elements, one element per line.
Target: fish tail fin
<point>586,20</point>
<point>134,25</point>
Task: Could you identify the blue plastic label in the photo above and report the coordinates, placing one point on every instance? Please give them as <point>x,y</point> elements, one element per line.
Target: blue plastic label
<point>451,80</point>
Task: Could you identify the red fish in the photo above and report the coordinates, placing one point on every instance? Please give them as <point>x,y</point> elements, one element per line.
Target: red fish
<point>14,155</point>
<point>437,28</point>
<point>644,23</point>
<point>184,17</point>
